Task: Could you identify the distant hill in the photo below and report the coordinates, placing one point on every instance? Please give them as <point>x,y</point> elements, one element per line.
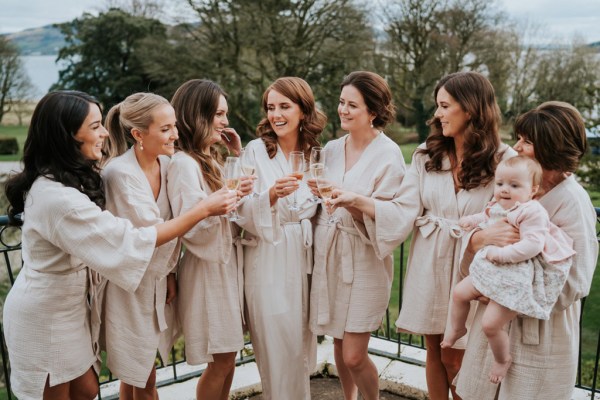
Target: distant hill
<point>46,40</point>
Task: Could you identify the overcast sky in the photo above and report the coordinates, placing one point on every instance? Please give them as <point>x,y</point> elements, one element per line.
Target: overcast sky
<point>560,19</point>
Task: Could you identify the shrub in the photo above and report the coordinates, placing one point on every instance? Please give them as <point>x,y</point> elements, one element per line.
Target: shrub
<point>9,145</point>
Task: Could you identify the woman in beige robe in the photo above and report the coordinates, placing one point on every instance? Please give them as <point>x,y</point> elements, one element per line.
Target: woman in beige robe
<point>278,251</point>
<point>465,144</point>
<point>210,279</point>
<point>544,352</point>
<point>67,236</point>
<point>135,325</point>
<point>351,279</point>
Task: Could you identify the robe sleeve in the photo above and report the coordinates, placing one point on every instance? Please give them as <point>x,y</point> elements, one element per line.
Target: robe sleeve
<point>108,245</point>
<point>532,222</point>
<point>577,218</point>
<point>394,220</point>
<point>210,239</point>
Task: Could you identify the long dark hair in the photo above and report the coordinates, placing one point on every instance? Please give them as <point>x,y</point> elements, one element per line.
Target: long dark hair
<point>52,151</point>
<point>300,93</point>
<point>475,94</point>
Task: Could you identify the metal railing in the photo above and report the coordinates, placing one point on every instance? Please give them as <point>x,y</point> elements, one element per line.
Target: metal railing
<point>587,374</point>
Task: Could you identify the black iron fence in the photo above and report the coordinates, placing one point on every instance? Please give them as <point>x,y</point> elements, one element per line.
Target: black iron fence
<point>10,246</point>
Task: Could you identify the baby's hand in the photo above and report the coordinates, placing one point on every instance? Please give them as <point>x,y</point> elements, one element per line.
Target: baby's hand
<point>492,254</point>
<point>465,225</point>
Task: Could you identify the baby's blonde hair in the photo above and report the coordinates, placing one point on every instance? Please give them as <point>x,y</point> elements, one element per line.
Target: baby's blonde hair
<point>532,165</point>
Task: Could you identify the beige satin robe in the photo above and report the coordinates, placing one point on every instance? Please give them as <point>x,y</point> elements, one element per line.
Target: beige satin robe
<point>136,324</point>
<point>210,295</point>
<point>429,208</point>
<point>277,261</point>
<point>544,352</point>
<point>47,313</point>
<point>352,277</point>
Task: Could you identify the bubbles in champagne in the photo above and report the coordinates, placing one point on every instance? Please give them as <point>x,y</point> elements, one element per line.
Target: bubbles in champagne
<point>316,170</point>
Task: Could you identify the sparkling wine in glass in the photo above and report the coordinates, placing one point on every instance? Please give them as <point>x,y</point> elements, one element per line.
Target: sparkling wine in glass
<point>317,167</point>
<point>233,173</point>
<point>248,167</point>
<point>326,190</point>
<point>297,166</point>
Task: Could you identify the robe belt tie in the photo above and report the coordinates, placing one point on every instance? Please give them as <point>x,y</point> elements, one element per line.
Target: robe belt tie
<point>450,229</point>
<point>342,234</point>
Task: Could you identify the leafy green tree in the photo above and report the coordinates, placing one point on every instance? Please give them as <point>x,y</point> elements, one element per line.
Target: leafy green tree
<point>244,45</point>
<point>102,55</point>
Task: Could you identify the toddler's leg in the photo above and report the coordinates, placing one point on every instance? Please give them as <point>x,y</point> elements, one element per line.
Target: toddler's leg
<point>494,319</point>
<point>462,294</point>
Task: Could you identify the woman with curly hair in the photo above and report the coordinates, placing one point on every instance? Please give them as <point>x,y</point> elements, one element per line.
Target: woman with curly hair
<point>278,252</point>
<point>68,237</point>
<point>451,176</point>
<point>352,278</point>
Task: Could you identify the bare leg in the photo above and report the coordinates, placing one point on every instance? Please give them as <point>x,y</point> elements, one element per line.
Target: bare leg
<point>356,359</point>
<point>212,382</point>
<point>441,367</point>
<point>125,391</point>
<point>84,387</point>
<point>149,392</point>
<point>462,294</point>
<point>493,322</point>
<point>348,387</point>
<point>58,392</point>
<point>227,385</point>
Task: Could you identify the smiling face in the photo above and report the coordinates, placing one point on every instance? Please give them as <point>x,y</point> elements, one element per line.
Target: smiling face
<point>220,121</point>
<point>453,118</point>
<point>353,111</point>
<point>162,132</point>
<point>283,114</point>
<point>91,134</point>
<point>512,184</point>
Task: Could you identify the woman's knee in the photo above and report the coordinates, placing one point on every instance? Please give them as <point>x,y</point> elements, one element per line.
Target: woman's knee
<point>452,360</point>
<point>222,365</point>
<point>354,359</point>
<point>86,389</point>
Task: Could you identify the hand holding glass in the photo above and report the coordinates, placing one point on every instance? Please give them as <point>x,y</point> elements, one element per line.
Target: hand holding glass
<point>233,173</point>
<point>297,166</point>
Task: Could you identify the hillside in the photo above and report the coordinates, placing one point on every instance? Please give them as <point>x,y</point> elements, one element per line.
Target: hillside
<point>46,40</point>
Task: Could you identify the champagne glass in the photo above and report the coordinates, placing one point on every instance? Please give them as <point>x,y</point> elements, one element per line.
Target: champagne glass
<point>233,173</point>
<point>248,167</point>
<point>317,166</point>
<point>297,166</point>
<point>325,188</point>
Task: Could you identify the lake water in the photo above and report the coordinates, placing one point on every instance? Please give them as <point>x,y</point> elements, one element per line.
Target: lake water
<point>42,71</point>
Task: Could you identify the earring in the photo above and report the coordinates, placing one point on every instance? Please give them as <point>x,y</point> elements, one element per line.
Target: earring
<point>300,128</point>
<point>141,145</point>
<point>371,123</point>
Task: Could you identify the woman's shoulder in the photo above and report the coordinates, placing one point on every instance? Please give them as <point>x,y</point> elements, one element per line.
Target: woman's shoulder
<point>120,165</point>
<point>182,159</point>
<point>54,197</point>
<point>335,144</point>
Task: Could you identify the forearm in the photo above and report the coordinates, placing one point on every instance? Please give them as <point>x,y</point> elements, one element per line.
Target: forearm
<point>363,205</point>
<point>178,226</point>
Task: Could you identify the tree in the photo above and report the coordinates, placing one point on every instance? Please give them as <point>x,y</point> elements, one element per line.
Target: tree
<point>102,54</point>
<point>427,39</point>
<point>244,45</point>
<point>13,78</point>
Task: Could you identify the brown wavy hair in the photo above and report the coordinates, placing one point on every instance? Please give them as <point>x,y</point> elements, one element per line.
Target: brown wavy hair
<point>475,94</point>
<point>557,132</point>
<point>376,94</point>
<point>311,126</point>
<point>196,103</point>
